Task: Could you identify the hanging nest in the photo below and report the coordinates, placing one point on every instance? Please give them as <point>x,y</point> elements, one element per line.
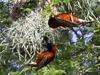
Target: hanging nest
<point>25,35</point>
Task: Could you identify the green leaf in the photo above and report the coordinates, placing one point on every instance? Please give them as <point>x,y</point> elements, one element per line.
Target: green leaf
<point>13,73</point>
<point>27,10</point>
<point>57,1</point>
<point>66,1</point>
<point>57,72</point>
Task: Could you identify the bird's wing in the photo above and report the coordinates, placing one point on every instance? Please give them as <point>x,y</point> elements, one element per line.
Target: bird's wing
<point>43,61</point>
<point>66,23</point>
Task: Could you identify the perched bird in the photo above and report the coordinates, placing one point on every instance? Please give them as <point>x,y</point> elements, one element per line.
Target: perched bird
<point>65,20</point>
<point>45,57</point>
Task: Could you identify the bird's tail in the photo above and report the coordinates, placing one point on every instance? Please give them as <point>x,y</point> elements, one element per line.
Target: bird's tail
<point>90,21</point>
<point>84,23</point>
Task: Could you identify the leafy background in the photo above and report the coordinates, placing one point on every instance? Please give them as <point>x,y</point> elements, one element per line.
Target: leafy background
<point>18,38</point>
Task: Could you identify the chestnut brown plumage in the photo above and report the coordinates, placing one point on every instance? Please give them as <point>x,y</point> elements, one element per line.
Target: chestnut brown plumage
<point>66,20</point>
<point>45,57</point>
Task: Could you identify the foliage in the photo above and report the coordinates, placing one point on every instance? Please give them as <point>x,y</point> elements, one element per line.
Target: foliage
<point>58,1</point>
<point>28,5</point>
<point>25,34</point>
<point>31,3</point>
<point>4,14</point>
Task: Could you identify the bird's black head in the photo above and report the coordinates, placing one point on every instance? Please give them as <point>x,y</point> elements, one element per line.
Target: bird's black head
<point>46,39</point>
<point>51,20</point>
<point>47,43</point>
<point>49,46</point>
